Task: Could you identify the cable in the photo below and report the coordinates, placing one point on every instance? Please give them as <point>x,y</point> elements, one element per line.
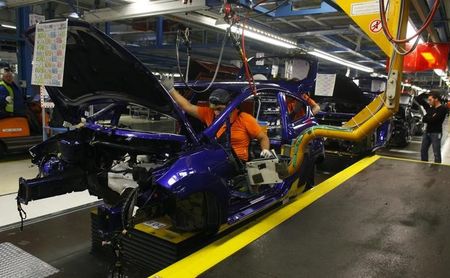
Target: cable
<point>22,213</point>
<point>217,67</point>
<point>248,74</point>
<point>403,51</point>
<point>421,29</point>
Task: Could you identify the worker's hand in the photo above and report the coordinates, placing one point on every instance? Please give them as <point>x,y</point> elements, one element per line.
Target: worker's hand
<point>266,154</point>
<point>315,109</point>
<point>168,83</point>
<point>9,99</point>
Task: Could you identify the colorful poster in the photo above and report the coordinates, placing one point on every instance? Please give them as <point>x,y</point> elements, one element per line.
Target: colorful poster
<point>49,54</point>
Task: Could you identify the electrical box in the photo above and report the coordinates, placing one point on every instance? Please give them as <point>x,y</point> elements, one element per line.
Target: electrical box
<point>265,171</point>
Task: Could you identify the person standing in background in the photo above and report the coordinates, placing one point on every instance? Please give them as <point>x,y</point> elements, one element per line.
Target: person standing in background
<point>12,99</point>
<point>434,119</point>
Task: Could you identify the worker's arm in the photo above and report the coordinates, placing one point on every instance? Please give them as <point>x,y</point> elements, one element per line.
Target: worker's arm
<point>315,108</point>
<point>188,107</point>
<point>191,109</point>
<point>264,142</point>
<point>435,117</point>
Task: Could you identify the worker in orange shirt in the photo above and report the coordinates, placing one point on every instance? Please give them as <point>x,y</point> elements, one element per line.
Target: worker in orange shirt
<point>296,109</point>
<point>244,127</point>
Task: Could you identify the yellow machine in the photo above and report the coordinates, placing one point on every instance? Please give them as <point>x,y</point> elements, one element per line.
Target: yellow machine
<point>365,13</point>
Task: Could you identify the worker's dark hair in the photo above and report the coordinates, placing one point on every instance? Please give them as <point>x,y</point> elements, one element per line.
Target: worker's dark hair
<point>7,69</point>
<point>220,97</point>
<point>435,95</point>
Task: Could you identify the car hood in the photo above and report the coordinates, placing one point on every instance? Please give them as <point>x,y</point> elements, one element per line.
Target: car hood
<point>99,69</point>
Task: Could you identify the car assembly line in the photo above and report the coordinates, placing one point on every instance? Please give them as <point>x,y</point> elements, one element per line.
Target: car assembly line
<point>240,149</point>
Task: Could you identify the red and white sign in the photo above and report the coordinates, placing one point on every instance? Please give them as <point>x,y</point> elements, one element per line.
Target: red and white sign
<point>376,26</point>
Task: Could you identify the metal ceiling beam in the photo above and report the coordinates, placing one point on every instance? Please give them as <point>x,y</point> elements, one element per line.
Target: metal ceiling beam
<point>338,44</point>
<point>321,32</point>
<point>142,9</point>
<point>19,3</point>
<point>447,15</point>
<point>289,10</point>
<point>324,18</point>
<point>419,7</point>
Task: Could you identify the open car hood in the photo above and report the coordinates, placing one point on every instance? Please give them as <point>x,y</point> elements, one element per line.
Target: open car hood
<point>98,69</point>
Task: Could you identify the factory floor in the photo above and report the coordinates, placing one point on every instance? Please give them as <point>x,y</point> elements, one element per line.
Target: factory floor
<point>380,217</point>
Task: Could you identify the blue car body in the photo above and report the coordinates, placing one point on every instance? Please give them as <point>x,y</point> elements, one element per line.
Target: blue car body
<point>180,172</point>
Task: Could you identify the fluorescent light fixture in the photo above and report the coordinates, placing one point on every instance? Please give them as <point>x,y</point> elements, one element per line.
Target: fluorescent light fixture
<point>411,30</point>
<point>74,15</point>
<point>166,73</point>
<point>335,59</point>
<point>439,72</point>
<point>8,26</point>
<point>261,36</point>
<point>443,75</point>
<point>374,74</point>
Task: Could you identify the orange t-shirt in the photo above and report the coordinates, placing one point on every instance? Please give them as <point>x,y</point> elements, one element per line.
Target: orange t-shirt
<point>244,128</point>
<point>292,105</point>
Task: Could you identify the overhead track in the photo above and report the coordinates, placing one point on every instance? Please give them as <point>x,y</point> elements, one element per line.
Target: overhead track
<point>142,9</point>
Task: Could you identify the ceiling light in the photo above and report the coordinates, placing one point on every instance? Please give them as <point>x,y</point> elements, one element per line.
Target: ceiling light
<point>258,35</point>
<point>262,38</point>
<point>8,26</point>
<point>335,59</point>
<point>411,31</point>
<point>439,72</point>
<point>74,15</point>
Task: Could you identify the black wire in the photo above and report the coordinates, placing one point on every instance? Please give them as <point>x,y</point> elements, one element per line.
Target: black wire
<point>22,213</point>
<point>217,67</point>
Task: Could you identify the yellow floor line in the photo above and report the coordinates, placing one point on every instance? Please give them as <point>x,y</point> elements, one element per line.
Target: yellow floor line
<point>412,160</point>
<point>202,260</point>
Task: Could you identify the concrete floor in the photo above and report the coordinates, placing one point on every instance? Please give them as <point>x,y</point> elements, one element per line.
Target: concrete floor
<point>12,168</point>
<point>390,220</point>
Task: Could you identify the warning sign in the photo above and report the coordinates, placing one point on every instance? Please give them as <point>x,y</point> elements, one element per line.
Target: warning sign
<point>376,26</point>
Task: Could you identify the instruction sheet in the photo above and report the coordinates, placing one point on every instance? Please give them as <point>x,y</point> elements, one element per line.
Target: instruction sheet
<point>49,54</point>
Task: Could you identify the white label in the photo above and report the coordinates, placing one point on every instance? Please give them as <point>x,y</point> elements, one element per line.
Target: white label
<point>49,54</point>
<point>325,85</point>
<point>36,18</point>
<point>154,224</point>
<point>260,62</point>
<point>274,70</point>
<point>365,8</point>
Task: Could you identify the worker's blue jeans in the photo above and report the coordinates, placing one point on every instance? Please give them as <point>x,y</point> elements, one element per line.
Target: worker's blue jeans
<point>429,139</point>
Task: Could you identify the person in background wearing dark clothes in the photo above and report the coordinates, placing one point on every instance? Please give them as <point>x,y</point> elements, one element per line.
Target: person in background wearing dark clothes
<point>434,118</point>
<point>12,99</point>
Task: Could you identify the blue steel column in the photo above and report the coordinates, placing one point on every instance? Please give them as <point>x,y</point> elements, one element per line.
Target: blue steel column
<point>107,28</point>
<point>23,49</point>
<point>159,31</point>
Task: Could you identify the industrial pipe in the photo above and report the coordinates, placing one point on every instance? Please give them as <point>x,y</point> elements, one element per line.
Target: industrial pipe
<point>371,117</point>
